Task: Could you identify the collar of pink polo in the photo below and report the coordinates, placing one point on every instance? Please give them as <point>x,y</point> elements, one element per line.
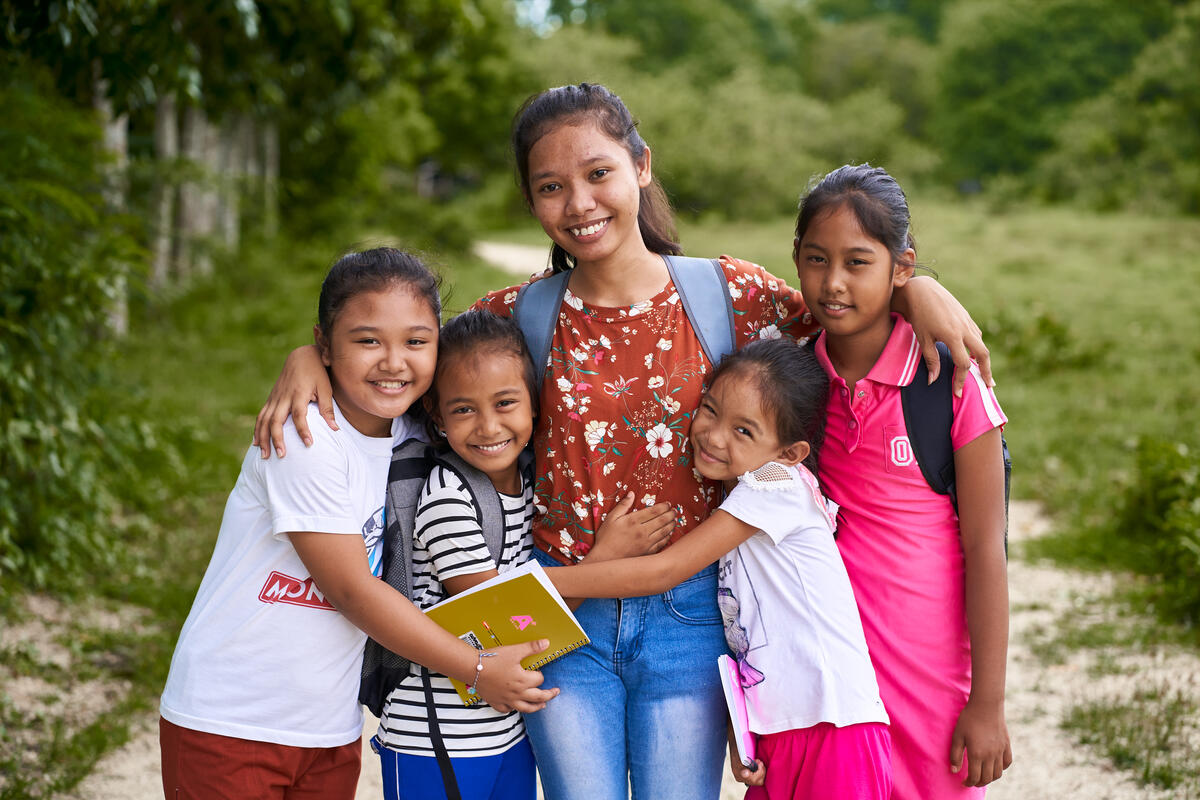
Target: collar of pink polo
<point>897,364</point>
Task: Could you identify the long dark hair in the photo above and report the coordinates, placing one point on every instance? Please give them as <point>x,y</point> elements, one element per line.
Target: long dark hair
<point>791,384</point>
<point>565,105</point>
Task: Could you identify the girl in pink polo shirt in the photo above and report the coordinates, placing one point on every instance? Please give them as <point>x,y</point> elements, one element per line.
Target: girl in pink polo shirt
<point>931,583</point>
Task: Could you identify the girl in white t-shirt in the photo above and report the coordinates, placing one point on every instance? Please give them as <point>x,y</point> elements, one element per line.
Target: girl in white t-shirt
<point>790,615</point>
<point>262,697</point>
<point>482,405</point>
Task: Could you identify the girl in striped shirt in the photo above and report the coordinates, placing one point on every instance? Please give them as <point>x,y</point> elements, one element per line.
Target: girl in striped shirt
<point>482,405</point>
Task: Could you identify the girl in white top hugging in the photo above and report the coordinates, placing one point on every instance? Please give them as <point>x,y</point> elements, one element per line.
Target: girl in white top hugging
<point>790,615</point>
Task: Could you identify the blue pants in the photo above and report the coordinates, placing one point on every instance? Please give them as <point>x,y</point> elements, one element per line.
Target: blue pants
<point>508,776</point>
<point>641,707</point>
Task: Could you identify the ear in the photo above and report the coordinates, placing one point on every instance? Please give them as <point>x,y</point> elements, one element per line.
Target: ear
<point>644,175</point>
<point>793,453</point>
<point>903,267</point>
<point>322,345</point>
<point>796,251</point>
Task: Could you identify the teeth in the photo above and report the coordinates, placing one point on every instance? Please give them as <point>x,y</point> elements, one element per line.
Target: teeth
<point>589,230</point>
<point>391,384</point>
<point>835,306</point>
<point>492,448</point>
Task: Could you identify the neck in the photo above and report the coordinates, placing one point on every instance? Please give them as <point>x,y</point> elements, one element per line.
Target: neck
<point>853,355</point>
<point>622,279</point>
<point>509,482</point>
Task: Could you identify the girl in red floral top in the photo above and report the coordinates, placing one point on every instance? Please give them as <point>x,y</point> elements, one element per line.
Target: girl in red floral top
<point>641,707</point>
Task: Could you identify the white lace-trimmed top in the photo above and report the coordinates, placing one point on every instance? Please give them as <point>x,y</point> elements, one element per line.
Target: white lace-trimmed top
<point>790,616</point>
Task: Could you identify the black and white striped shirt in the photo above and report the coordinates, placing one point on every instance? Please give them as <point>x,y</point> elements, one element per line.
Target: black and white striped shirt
<point>448,543</point>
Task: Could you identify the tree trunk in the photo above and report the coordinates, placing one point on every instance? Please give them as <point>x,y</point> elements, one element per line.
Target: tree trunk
<point>231,159</point>
<point>210,198</point>
<point>166,151</point>
<point>251,165</point>
<point>116,143</point>
<point>195,196</point>
<point>271,178</point>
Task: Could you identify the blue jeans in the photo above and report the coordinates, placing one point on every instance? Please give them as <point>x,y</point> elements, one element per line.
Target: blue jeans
<point>641,707</point>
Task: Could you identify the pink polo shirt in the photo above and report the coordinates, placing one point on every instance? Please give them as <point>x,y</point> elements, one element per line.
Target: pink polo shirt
<point>899,540</point>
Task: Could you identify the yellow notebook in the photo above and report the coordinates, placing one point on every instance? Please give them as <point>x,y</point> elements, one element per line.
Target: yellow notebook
<point>520,605</point>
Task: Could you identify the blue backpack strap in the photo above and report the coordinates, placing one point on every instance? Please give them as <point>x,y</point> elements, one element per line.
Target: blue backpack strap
<point>928,415</point>
<point>536,312</point>
<point>704,292</point>
<point>382,670</point>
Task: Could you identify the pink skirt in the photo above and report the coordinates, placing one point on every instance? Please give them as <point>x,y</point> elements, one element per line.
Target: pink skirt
<point>850,763</point>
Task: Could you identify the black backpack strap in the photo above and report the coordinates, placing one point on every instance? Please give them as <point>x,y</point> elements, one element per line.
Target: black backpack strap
<point>704,292</point>
<point>412,459</point>
<point>928,415</point>
<point>449,781</point>
<point>536,312</point>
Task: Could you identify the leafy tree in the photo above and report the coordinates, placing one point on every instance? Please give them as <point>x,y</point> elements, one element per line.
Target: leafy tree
<point>924,16</point>
<point>65,454</point>
<point>1137,144</point>
<point>1011,70</point>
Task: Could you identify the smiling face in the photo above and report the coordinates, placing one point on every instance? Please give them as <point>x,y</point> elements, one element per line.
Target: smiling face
<point>484,408</point>
<point>381,354</point>
<point>584,188</point>
<point>732,433</point>
<point>847,277</point>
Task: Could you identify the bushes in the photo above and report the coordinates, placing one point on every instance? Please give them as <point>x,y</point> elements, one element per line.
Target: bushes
<point>64,447</point>
<point>1158,516</point>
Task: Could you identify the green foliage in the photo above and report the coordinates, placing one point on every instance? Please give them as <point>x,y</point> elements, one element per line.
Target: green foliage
<point>737,145</point>
<point>1137,144</point>
<point>66,450</point>
<point>1010,71</point>
<point>1158,516</point>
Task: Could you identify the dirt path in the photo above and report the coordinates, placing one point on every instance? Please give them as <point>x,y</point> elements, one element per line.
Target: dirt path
<point>1048,763</point>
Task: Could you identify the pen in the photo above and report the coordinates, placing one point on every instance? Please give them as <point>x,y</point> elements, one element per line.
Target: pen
<point>491,633</point>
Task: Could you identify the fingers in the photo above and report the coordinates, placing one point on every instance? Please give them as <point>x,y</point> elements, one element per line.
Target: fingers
<point>324,405</point>
<point>962,364</point>
<point>262,434</point>
<point>532,700</point>
<point>929,352</point>
<point>622,507</point>
<point>957,745</point>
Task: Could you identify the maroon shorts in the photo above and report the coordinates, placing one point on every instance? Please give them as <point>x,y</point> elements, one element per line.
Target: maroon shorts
<point>205,766</point>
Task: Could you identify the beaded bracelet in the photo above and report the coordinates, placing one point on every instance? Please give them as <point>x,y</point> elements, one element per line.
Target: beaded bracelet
<point>478,669</point>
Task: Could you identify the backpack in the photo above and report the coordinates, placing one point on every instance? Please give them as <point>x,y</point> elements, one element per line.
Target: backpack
<point>703,290</point>
<point>928,415</point>
<point>412,461</point>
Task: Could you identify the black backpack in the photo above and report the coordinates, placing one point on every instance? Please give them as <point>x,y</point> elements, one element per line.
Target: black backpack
<point>928,415</point>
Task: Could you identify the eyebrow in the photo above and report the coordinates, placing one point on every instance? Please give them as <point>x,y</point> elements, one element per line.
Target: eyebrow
<point>374,328</point>
<point>815,246</point>
<point>505,392</point>
<point>548,173</point>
